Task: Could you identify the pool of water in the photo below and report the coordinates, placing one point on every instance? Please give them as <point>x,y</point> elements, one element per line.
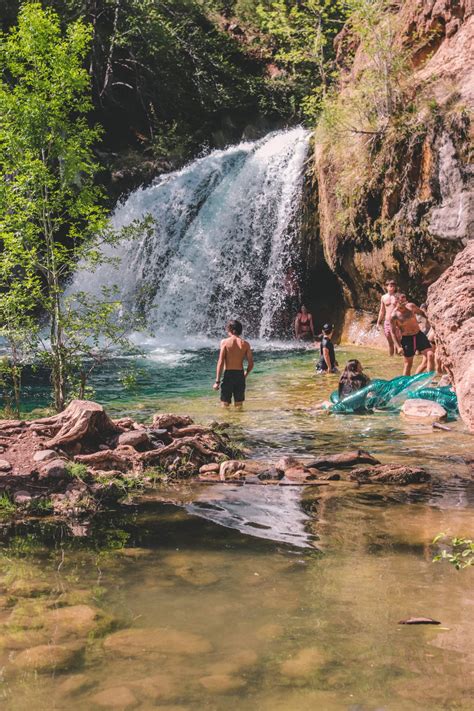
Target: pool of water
<point>226,597</point>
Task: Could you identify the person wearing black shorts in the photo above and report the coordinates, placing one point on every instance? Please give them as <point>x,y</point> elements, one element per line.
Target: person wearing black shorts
<point>413,340</point>
<point>233,353</point>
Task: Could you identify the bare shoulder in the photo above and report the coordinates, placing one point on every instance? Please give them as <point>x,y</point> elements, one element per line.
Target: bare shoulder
<point>247,346</point>
<point>224,342</point>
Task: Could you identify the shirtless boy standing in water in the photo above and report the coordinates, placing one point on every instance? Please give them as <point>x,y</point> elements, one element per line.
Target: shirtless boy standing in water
<point>413,339</point>
<point>234,351</point>
<point>387,305</point>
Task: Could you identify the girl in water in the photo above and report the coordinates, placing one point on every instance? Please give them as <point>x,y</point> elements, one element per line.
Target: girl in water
<point>352,379</point>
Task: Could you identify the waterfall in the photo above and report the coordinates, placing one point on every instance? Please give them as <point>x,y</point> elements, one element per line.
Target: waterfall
<point>224,236</point>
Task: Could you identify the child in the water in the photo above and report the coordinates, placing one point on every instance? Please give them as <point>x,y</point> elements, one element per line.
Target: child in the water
<point>352,379</point>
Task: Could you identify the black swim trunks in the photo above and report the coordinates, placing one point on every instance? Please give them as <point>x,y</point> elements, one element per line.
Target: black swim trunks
<point>411,344</point>
<point>233,385</point>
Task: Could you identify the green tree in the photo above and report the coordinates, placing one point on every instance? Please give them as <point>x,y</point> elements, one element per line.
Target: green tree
<point>51,210</point>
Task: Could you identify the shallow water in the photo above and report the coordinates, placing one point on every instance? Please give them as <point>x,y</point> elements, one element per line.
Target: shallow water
<point>293,595</point>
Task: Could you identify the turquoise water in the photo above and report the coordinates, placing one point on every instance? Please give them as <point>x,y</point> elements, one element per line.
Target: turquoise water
<point>230,598</point>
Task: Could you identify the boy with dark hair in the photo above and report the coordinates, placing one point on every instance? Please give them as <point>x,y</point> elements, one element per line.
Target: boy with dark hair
<point>327,362</point>
<point>234,351</point>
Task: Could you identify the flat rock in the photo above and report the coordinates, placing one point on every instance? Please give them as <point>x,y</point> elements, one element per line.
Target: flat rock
<point>221,683</point>
<point>5,466</point>
<point>46,658</point>
<point>116,697</point>
<point>297,474</point>
<point>390,474</point>
<point>342,460</point>
<point>54,469</point>
<point>134,438</point>
<point>141,642</point>
<point>423,409</point>
<point>44,455</point>
<point>304,663</point>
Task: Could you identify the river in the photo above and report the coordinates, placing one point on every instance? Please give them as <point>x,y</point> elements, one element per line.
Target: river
<point>223,597</point>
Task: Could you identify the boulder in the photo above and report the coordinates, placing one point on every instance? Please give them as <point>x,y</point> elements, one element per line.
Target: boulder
<point>54,469</point>
<point>46,658</point>
<point>287,463</point>
<point>167,421</point>
<point>390,474</point>
<point>133,438</point>
<point>21,497</point>
<point>5,466</point>
<point>423,409</point>
<point>230,467</point>
<point>44,454</point>
<point>451,314</point>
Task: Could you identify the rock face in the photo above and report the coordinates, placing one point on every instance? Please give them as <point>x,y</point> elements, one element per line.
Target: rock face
<point>414,210</point>
<point>451,313</point>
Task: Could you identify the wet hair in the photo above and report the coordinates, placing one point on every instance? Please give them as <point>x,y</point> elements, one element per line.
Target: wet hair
<point>390,282</point>
<point>352,374</point>
<point>327,328</point>
<point>234,327</point>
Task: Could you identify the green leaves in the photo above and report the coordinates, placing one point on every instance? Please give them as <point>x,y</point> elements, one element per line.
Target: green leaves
<point>458,551</point>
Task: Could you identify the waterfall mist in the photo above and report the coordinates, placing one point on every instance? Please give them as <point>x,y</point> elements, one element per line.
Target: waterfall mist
<point>225,234</point>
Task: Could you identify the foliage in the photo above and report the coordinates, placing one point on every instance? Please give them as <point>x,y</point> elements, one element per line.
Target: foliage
<point>303,34</point>
<point>40,507</point>
<point>7,506</point>
<point>76,470</point>
<point>51,209</point>
<point>458,551</point>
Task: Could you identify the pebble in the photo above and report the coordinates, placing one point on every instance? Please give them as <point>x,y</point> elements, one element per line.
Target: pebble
<point>43,455</point>
<point>5,466</point>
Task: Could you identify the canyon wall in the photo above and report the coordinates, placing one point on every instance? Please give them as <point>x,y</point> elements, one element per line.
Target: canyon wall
<point>415,210</point>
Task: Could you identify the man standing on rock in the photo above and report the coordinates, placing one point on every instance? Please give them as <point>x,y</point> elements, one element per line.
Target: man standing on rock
<point>413,339</point>
<point>234,351</point>
<point>387,305</point>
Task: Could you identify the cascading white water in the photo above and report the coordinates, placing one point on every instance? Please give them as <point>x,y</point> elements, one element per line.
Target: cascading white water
<point>223,239</point>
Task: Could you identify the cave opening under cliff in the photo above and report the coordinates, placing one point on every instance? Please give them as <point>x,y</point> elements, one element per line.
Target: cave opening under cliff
<point>322,295</point>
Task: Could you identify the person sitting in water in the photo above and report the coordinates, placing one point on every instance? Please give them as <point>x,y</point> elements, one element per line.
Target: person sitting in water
<point>304,329</point>
<point>352,379</point>
<point>387,305</point>
<point>413,339</point>
<point>327,362</point>
<point>234,351</point>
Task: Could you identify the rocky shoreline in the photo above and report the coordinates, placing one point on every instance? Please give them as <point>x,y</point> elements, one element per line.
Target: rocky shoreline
<point>81,461</point>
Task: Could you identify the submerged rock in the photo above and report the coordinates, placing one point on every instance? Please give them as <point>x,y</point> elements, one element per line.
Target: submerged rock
<point>423,409</point>
<point>390,474</point>
<point>141,642</point>
<point>120,698</point>
<point>221,683</point>
<point>46,658</point>
<point>157,687</point>
<point>304,663</point>
<point>65,622</point>
<point>75,684</point>
<point>29,588</point>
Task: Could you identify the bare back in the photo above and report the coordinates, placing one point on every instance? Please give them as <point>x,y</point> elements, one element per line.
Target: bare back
<point>235,351</point>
